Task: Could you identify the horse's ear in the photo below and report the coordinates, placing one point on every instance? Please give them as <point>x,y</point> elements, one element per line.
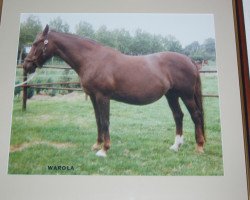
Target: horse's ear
<point>46,30</point>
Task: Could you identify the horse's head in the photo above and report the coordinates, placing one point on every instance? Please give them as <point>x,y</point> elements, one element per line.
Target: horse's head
<point>40,52</point>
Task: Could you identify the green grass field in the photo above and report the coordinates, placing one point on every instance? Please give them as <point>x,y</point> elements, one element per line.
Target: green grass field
<point>61,130</point>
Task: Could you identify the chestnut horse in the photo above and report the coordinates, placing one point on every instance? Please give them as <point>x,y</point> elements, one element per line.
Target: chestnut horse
<point>106,73</point>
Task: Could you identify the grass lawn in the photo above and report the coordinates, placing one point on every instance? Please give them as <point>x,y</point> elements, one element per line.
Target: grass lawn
<point>61,131</point>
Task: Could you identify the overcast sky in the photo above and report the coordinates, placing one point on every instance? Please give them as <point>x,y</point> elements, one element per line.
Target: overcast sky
<point>185,27</point>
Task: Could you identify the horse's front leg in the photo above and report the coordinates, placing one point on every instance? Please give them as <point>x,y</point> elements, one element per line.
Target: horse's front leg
<point>98,144</point>
<point>103,105</point>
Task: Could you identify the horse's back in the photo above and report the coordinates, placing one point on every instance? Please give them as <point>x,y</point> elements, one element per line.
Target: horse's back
<point>144,79</point>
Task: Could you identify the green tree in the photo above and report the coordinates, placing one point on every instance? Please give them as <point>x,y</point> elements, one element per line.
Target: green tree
<point>85,29</point>
<point>57,24</point>
<point>209,49</point>
<point>195,51</point>
<point>28,31</point>
<point>141,43</point>
<point>104,36</point>
<point>170,43</point>
<point>122,40</point>
<point>157,44</point>
<point>192,48</point>
<point>204,51</point>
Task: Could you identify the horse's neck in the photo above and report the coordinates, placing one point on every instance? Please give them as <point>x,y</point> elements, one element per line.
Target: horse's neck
<point>73,50</point>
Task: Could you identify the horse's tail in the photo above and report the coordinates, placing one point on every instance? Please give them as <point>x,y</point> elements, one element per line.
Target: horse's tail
<point>199,102</point>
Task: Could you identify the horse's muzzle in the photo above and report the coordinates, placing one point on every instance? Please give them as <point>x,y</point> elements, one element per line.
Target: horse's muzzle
<point>29,67</point>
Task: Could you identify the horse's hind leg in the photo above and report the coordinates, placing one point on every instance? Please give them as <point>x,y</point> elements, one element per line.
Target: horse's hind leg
<point>173,101</point>
<point>197,118</point>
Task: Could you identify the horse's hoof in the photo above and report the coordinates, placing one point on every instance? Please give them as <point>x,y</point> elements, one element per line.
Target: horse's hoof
<point>174,147</point>
<point>179,140</point>
<point>96,147</point>
<point>199,149</point>
<point>101,153</point>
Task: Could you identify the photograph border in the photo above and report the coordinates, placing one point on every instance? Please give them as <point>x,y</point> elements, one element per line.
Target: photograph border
<point>137,192</point>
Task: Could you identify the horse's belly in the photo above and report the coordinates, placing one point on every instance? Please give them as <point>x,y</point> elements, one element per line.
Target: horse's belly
<point>140,98</point>
<point>140,90</point>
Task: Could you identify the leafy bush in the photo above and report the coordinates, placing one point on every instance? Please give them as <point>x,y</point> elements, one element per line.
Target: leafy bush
<point>30,92</point>
<point>52,92</point>
<point>17,90</point>
<point>38,90</point>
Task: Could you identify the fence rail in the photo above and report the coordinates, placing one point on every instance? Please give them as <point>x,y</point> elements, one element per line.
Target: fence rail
<point>58,88</point>
<point>69,68</point>
<point>50,67</point>
<point>51,85</point>
<point>56,83</point>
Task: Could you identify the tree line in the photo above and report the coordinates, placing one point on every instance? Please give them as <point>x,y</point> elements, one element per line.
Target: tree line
<point>140,43</point>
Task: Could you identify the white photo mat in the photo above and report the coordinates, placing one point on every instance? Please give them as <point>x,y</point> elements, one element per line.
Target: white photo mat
<point>231,186</point>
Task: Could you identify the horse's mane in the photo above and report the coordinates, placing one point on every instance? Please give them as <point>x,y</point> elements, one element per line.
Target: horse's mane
<point>85,39</point>
<point>70,35</point>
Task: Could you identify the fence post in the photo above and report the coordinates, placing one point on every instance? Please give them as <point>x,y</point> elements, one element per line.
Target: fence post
<point>25,91</point>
